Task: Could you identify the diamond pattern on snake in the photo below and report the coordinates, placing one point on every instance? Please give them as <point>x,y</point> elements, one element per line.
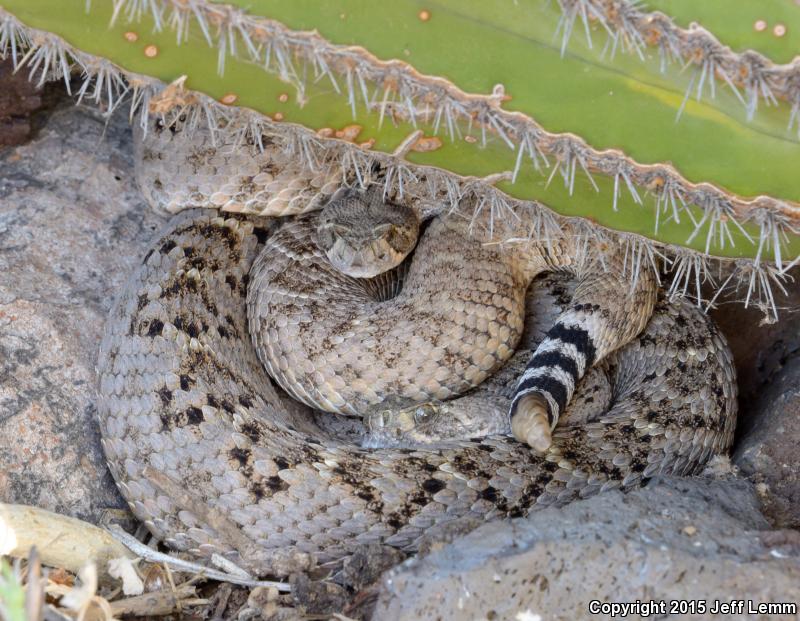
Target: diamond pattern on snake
<point>258,401</point>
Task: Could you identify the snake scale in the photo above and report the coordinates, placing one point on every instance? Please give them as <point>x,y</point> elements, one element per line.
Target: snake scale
<point>214,456</point>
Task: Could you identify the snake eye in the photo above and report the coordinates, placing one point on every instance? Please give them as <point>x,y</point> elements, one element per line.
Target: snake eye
<point>424,414</point>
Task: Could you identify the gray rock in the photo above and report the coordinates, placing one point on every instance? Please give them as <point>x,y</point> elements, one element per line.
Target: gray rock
<point>367,564</point>
<point>71,226</point>
<point>19,98</point>
<point>768,454</point>
<point>760,349</point>
<point>692,539</point>
<point>317,597</point>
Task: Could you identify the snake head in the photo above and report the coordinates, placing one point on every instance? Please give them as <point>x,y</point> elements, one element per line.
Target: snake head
<point>363,235</point>
<point>415,424</point>
<point>427,423</point>
<point>394,423</point>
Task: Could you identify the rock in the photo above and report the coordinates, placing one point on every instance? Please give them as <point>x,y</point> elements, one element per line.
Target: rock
<point>438,536</point>
<point>693,540</point>
<point>367,564</point>
<point>317,596</point>
<point>72,225</point>
<point>24,106</point>
<point>769,454</point>
<point>18,99</point>
<point>763,348</point>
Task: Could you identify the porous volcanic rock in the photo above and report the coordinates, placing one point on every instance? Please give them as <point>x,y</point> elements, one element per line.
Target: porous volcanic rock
<point>72,225</point>
<point>691,540</point>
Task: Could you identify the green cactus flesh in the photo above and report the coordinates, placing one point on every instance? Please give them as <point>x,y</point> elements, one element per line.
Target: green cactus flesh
<point>623,103</point>
<point>735,23</point>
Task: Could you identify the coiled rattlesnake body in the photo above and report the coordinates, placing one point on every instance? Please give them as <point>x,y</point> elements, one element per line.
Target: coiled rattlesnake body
<point>213,458</point>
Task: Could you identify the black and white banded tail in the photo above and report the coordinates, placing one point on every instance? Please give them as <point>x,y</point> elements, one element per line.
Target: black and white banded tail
<point>557,365</point>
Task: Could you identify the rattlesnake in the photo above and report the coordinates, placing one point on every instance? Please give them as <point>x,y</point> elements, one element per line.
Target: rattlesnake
<point>214,458</point>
